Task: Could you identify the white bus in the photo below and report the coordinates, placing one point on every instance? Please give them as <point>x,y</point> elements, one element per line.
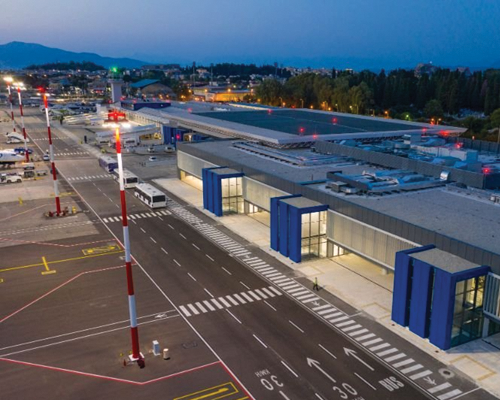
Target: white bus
<point>129,179</point>
<point>108,163</point>
<point>151,196</point>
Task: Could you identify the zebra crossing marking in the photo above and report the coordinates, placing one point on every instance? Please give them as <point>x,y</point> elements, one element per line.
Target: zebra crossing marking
<point>88,177</point>
<point>135,216</point>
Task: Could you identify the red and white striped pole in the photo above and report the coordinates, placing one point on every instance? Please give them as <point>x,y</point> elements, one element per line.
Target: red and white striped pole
<point>51,149</point>
<point>9,80</point>
<point>136,355</point>
<point>22,123</point>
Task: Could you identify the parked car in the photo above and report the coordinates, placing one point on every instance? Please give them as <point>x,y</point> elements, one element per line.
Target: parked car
<point>151,149</point>
<point>169,149</point>
<point>13,179</point>
<point>153,158</point>
<point>45,157</point>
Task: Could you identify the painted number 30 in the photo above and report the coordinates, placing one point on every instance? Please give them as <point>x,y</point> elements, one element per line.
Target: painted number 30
<point>346,388</point>
<point>269,385</point>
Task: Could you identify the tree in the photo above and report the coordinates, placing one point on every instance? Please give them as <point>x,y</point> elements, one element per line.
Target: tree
<point>433,109</point>
<point>495,121</point>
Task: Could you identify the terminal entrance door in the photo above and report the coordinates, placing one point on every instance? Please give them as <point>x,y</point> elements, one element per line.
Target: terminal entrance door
<point>314,241</point>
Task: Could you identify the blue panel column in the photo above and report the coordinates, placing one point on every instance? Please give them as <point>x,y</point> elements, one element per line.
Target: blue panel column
<point>442,309</point>
<point>284,224</point>
<point>420,298</point>
<point>402,289</point>
<point>295,235</point>
<point>217,192</point>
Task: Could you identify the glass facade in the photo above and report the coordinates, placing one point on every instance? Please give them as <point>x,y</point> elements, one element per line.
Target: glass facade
<point>468,313</point>
<point>232,196</point>
<point>314,241</point>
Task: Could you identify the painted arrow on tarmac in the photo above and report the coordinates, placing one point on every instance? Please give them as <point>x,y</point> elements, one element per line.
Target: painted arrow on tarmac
<point>352,353</point>
<point>315,364</point>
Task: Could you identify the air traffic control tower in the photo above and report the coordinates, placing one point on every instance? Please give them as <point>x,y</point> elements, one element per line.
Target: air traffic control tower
<point>116,89</point>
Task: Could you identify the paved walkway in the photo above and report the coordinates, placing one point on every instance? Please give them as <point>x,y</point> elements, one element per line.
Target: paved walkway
<point>363,285</point>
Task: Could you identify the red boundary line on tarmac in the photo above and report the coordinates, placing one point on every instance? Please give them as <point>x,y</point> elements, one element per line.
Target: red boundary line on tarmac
<point>236,380</point>
<point>109,378</point>
<point>57,287</point>
<point>55,244</point>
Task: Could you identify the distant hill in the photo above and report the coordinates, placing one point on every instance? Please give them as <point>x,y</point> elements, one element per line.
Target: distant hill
<point>18,55</point>
<point>67,66</point>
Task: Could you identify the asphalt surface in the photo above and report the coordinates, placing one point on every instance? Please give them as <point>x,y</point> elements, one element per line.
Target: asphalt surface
<point>231,330</point>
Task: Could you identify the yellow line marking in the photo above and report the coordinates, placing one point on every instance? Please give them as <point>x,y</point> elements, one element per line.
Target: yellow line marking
<point>219,389</point>
<point>1,280</point>
<point>47,269</point>
<point>100,250</point>
<point>59,261</point>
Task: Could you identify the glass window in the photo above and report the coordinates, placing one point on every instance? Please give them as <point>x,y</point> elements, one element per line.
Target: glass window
<point>313,230</point>
<point>467,313</point>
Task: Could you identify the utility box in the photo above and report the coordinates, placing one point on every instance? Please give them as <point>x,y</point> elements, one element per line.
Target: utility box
<point>166,354</point>
<point>156,348</point>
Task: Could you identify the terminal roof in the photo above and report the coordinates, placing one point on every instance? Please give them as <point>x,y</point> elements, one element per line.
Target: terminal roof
<point>301,202</point>
<point>443,260</point>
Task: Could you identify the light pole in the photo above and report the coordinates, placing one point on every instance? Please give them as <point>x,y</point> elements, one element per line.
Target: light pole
<point>27,156</point>
<point>9,81</point>
<point>51,149</point>
<point>136,355</point>
<point>302,100</point>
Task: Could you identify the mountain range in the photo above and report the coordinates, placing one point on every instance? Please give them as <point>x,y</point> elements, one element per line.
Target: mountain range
<point>17,55</point>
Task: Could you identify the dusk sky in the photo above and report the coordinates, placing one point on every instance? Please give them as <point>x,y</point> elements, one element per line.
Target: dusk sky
<point>351,33</point>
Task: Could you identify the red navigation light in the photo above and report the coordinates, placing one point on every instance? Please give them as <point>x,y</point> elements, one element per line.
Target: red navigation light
<point>486,170</point>
<point>190,110</point>
<point>269,111</point>
<point>334,120</point>
<point>301,129</point>
<point>178,136</point>
<point>315,136</point>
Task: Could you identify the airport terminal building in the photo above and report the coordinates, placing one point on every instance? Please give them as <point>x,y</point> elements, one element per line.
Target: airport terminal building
<point>412,198</point>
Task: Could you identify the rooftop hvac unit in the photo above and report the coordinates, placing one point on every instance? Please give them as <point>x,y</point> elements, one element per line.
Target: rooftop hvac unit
<point>349,190</point>
<point>444,176</point>
<point>335,186</point>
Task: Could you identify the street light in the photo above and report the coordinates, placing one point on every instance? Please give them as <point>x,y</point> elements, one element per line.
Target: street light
<point>51,150</point>
<point>9,80</point>
<point>302,100</point>
<point>19,86</point>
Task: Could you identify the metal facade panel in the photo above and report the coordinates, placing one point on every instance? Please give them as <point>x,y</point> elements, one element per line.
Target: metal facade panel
<point>420,298</point>
<point>491,305</point>
<point>259,193</point>
<point>402,289</point>
<point>191,164</point>
<point>442,309</point>
<point>284,229</point>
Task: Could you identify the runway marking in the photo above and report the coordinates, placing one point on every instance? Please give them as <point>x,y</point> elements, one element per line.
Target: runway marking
<point>365,381</point>
<point>56,288</point>
<point>226,271</point>
<point>289,369</point>
<point>47,271</point>
<point>326,350</point>
<point>58,261</point>
<point>232,315</point>
<point>245,285</point>
<point>260,341</point>
<point>109,378</point>
<point>212,393</point>
<point>296,327</point>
